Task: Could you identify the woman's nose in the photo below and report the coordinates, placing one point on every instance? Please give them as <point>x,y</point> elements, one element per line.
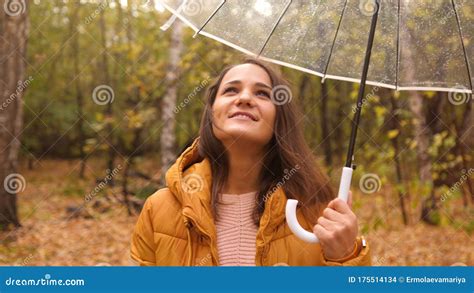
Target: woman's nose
<point>244,97</point>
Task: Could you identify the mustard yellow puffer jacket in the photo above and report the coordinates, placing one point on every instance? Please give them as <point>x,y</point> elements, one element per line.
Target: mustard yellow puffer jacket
<point>176,227</point>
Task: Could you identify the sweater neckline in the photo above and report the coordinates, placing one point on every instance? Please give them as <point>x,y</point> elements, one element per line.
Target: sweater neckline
<point>247,197</point>
<point>240,194</point>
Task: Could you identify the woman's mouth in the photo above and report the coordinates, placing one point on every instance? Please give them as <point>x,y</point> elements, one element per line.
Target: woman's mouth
<point>243,116</point>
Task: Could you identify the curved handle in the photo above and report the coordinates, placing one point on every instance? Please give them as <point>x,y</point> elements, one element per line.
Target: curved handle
<point>291,204</point>
<point>295,227</point>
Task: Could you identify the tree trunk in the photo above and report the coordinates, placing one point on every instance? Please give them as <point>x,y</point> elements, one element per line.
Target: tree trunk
<point>343,91</point>
<point>129,164</point>
<point>467,129</point>
<point>78,88</point>
<point>395,125</point>
<point>13,36</point>
<point>460,131</point>
<point>108,110</point>
<point>466,138</point>
<point>168,135</point>
<point>421,132</point>
<point>422,138</point>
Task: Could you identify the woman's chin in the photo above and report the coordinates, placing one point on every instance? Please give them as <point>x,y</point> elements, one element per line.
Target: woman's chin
<point>241,134</point>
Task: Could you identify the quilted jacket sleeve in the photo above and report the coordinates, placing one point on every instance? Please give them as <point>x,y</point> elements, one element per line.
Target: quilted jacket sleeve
<point>363,259</point>
<point>142,247</point>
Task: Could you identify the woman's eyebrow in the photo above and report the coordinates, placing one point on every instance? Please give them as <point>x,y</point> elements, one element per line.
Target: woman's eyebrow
<point>259,84</point>
<point>233,82</point>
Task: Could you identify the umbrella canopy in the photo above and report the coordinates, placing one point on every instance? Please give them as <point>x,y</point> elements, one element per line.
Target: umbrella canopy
<point>409,45</point>
<point>418,45</point>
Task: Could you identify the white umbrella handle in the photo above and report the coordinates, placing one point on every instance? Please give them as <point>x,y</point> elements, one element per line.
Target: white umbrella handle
<point>291,204</point>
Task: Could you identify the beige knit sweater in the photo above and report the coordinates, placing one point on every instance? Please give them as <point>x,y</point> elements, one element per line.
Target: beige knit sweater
<point>236,232</point>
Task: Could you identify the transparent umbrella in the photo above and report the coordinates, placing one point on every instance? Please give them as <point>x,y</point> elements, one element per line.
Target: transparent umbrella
<point>397,44</point>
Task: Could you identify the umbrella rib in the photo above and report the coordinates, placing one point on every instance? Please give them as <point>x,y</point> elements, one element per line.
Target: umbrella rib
<point>463,46</point>
<point>397,70</point>
<point>209,18</point>
<point>334,40</point>
<point>274,27</point>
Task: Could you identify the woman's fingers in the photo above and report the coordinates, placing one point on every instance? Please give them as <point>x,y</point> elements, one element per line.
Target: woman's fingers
<point>331,214</point>
<point>329,232</point>
<point>327,224</point>
<point>340,206</point>
<point>340,212</point>
<point>349,200</point>
<point>321,233</point>
<point>337,228</point>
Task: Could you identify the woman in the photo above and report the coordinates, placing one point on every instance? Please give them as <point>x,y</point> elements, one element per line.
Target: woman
<point>225,199</point>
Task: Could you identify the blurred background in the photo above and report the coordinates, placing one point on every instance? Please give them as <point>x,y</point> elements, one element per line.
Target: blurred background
<point>96,102</point>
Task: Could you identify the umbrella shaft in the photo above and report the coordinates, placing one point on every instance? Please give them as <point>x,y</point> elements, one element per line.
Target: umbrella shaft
<point>365,70</point>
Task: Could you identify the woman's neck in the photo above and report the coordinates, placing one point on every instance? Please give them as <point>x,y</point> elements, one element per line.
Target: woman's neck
<point>244,170</point>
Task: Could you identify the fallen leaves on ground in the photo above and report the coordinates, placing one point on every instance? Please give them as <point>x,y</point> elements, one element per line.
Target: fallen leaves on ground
<point>54,234</point>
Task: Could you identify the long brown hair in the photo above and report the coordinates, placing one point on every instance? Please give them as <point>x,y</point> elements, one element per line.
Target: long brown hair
<point>292,164</point>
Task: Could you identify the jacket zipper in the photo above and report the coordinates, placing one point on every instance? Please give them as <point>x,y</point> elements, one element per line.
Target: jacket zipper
<point>201,231</point>
<point>264,254</point>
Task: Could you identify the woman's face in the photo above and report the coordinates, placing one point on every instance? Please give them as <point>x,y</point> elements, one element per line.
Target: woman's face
<point>243,110</point>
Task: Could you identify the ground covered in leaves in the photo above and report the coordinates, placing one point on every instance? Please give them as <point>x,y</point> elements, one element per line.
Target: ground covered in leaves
<point>56,231</point>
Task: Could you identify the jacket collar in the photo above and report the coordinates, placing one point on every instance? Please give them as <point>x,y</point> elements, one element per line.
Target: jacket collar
<point>190,181</point>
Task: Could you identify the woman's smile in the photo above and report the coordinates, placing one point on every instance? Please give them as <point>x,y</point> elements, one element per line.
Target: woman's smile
<point>243,111</point>
<point>245,116</point>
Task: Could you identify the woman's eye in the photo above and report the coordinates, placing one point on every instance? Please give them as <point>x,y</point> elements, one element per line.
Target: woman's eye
<point>230,90</point>
<point>263,93</point>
